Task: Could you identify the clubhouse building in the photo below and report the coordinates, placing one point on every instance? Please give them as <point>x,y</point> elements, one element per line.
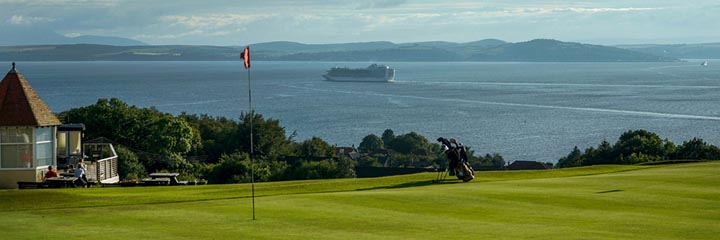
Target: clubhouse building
<point>33,138</point>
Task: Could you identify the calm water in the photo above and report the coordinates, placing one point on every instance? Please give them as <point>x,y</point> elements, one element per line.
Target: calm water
<point>524,111</point>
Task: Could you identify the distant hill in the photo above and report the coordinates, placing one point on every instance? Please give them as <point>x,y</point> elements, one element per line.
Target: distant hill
<point>44,37</point>
<point>557,51</point>
<point>541,50</point>
<point>94,52</point>
<point>104,40</point>
<point>699,51</point>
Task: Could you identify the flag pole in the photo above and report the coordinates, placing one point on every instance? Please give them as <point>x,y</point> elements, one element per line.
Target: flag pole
<point>246,57</point>
<point>252,159</point>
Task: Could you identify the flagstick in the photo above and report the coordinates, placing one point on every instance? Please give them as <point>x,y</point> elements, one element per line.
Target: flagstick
<point>252,160</point>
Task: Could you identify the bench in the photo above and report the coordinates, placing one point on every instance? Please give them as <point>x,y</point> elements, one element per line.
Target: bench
<point>170,176</point>
<point>61,182</point>
<point>156,181</point>
<point>29,185</point>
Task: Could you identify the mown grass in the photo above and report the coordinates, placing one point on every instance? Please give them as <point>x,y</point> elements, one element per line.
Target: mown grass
<point>601,202</point>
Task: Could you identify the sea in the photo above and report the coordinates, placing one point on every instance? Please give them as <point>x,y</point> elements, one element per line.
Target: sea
<point>521,110</point>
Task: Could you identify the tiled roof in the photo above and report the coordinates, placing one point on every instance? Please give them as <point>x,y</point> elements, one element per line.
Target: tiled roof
<point>20,105</point>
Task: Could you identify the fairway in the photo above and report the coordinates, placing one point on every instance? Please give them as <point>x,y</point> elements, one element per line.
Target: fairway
<point>601,202</point>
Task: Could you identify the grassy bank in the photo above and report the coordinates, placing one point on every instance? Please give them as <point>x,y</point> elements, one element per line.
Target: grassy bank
<point>600,202</point>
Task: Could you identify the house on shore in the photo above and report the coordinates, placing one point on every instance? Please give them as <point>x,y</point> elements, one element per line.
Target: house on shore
<point>29,137</point>
<point>28,131</point>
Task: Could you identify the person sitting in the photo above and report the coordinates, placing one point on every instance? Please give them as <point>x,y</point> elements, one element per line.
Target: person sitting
<point>51,173</point>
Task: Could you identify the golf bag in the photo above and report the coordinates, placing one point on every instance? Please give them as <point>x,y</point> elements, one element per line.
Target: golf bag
<point>458,160</point>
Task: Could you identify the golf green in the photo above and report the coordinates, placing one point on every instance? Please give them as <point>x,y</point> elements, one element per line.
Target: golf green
<point>680,201</point>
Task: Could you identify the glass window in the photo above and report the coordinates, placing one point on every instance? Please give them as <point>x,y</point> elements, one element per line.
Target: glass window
<point>16,156</point>
<point>62,144</point>
<point>44,134</point>
<point>16,135</point>
<point>44,146</point>
<point>43,154</point>
<point>75,143</point>
<point>16,147</point>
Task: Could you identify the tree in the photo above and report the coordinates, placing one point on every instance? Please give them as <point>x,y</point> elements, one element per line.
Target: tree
<point>323,169</point>
<point>574,159</point>
<point>236,168</point>
<point>642,142</point>
<point>315,148</point>
<point>218,135</point>
<point>410,143</point>
<point>371,143</point>
<point>158,135</point>
<point>388,136</point>
<point>269,138</point>
<point>697,149</point>
<point>604,154</point>
<point>129,168</point>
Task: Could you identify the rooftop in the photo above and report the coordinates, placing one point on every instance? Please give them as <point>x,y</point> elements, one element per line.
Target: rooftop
<point>20,105</point>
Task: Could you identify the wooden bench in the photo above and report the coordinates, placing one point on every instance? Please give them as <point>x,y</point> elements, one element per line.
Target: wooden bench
<point>171,176</point>
<point>29,185</point>
<point>156,181</point>
<point>61,182</point>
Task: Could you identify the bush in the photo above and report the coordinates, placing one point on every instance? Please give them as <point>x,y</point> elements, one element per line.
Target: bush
<point>324,169</point>
<point>129,168</point>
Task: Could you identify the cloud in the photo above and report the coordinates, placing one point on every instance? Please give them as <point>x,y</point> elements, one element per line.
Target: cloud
<point>23,20</point>
<point>602,9</point>
<point>376,4</point>
<point>214,21</point>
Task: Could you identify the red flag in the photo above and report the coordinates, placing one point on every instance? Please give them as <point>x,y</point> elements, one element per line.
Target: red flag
<point>245,55</point>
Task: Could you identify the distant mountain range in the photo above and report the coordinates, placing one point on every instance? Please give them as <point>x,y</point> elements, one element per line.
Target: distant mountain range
<point>43,37</point>
<point>538,50</point>
<point>697,51</point>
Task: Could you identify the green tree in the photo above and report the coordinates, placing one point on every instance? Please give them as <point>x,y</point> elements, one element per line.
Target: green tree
<point>269,137</point>
<point>158,135</point>
<point>697,149</point>
<point>236,168</point>
<point>649,144</point>
<point>388,136</point>
<point>371,143</point>
<point>315,148</point>
<point>217,133</point>
<point>410,143</point>
<point>129,168</point>
<point>324,169</point>
<point>574,159</point>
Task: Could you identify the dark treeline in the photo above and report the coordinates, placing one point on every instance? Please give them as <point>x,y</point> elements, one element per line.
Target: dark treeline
<point>218,149</point>
<point>414,150</point>
<point>640,146</point>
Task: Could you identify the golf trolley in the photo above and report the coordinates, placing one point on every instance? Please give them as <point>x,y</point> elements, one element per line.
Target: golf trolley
<point>458,161</point>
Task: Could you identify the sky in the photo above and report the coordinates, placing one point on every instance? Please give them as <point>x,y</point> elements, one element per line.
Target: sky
<point>240,22</point>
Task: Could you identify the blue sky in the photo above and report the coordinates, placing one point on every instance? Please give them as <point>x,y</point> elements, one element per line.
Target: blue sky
<point>241,22</point>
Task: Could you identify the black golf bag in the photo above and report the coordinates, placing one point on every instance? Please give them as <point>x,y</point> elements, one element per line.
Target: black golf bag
<point>458,160</point>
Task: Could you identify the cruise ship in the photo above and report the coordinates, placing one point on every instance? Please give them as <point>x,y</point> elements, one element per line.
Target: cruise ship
<point>373,73</point>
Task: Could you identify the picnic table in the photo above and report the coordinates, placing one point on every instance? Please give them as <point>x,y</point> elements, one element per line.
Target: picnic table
<point>163,179</point>
<point>61,182</point>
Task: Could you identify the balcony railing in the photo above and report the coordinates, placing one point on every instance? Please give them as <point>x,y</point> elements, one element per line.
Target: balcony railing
<point>102,163</point>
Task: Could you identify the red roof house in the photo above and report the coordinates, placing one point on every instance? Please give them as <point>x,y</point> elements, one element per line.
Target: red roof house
<point>27,132</point>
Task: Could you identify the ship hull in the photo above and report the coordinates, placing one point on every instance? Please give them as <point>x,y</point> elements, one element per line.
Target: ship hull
<point>358,79</point>
<point>373,73</point>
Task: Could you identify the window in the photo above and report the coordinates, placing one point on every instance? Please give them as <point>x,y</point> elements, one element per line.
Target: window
<point>44,146</point>
<point>62,143</point>
<point>75,142</point>
<point>16,147</point>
